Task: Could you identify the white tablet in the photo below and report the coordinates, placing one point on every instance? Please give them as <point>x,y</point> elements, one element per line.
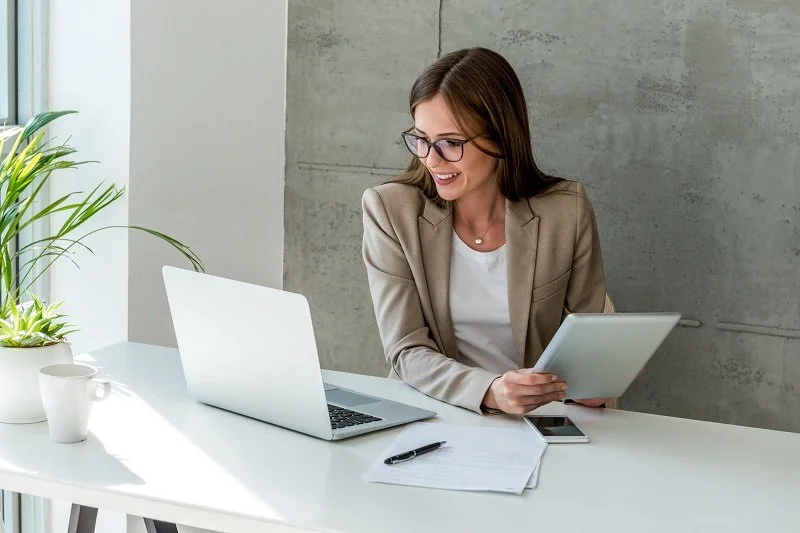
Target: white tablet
<point>599,355</point>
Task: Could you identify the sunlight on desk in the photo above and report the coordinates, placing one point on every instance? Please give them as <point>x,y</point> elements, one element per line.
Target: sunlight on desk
<point>119,423</point>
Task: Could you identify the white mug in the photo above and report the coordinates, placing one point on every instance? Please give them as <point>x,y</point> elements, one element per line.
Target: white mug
<point>68,392</point>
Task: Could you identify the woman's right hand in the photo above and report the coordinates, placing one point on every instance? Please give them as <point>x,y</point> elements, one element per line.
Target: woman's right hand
<point>519,391</point>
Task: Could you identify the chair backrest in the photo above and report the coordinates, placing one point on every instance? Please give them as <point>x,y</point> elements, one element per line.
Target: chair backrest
<point>609,305</point>
<point>609,308</point>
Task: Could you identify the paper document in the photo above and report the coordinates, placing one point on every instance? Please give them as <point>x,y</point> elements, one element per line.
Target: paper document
<point>477,458</point>
<point>534,479</point>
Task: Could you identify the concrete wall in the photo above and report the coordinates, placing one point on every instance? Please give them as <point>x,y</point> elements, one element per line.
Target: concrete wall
<point>683,120</point>
<point>347,85</point>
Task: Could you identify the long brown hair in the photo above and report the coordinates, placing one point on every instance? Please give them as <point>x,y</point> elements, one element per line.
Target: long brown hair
<point>485,96</point>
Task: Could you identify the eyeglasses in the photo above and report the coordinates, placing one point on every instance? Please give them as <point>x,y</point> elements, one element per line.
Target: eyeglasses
<point>451,150</point>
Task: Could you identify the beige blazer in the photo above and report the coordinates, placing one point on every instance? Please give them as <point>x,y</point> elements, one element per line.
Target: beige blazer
<point>554,268</point>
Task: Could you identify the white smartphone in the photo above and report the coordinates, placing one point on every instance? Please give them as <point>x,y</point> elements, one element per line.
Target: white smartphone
<point>556,429</point>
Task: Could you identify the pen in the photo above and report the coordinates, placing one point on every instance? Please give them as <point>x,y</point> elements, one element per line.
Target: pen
<point>405,456</point>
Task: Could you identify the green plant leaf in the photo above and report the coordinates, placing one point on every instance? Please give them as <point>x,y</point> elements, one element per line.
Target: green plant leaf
<point>6,328</point>
<point>33,161</point>
<point>33,323</point>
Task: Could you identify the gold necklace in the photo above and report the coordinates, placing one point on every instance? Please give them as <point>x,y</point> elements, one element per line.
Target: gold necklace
<point>478,238</point>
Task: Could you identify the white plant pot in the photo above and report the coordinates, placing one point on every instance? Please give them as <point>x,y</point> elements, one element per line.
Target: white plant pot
<point>20,399</point>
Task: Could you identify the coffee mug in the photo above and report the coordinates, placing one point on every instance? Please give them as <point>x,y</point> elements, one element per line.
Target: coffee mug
<point>68,392</point>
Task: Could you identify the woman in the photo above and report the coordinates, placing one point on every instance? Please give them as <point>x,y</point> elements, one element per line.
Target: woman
<point>474,255</point>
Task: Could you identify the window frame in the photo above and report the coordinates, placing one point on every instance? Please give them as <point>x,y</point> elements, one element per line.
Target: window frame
<point>9,501</point>
<point>23,85</point>
<point>8,62</point>
<point>9,511</point>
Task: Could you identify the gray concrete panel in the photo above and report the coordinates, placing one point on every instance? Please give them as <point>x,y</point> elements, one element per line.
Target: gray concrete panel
<point>683,120</point>
<point>350,68</point>
<point>323,261</point>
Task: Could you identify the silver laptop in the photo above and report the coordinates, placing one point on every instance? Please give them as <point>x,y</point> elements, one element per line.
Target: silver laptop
<point>251,350</point>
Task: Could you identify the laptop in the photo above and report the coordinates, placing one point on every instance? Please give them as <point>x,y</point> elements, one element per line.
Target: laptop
<point>251,350</point>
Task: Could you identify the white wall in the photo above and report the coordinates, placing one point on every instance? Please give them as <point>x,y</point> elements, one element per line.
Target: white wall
<point>89,71</point>
<point>185,106</point>
<point>207,145</point>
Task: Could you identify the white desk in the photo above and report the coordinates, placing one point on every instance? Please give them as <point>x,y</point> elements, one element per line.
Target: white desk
<point>154,452</point>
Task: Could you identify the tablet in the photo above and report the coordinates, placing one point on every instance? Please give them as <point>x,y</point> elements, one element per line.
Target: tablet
<point>599,355</point>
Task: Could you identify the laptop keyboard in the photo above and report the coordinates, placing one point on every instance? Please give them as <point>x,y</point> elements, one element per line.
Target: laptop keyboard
<point>342,418</point>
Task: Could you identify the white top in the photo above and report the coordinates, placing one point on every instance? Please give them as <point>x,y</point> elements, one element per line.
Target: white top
<point>153,451</point>
<point>479,307</point>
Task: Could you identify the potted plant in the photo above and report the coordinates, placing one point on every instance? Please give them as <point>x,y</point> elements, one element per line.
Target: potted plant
<point>32,333</point>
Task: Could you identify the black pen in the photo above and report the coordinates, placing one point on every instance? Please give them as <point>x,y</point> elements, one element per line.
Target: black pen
<point>405,456</point>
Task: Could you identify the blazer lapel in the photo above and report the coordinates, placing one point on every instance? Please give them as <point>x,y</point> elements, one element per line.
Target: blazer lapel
<point>522,236</point>
<point>436,238</point>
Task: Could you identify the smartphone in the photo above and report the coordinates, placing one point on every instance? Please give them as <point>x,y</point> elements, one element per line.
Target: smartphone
<point>556,429</point>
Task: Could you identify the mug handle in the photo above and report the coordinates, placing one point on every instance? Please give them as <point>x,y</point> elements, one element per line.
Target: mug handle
<point>101,390</point>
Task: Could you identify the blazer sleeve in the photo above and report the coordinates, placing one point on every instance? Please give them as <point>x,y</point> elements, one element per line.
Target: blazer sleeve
<point>407,344</point>
<point>586,291</point>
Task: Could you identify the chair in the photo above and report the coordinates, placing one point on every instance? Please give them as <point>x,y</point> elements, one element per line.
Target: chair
<point>609,308</point>
<point>609,305</point>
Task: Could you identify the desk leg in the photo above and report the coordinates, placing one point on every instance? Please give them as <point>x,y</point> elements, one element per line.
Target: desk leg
<point>82,519</point>
<point>157,526</point>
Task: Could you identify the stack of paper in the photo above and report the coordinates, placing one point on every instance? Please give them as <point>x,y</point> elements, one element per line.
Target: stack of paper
<point>477,458</point>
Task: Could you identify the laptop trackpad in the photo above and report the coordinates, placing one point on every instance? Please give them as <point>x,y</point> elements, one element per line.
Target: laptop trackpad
<point>348,399</point>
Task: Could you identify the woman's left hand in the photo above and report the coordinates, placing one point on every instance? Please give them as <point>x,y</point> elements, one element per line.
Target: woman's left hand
<point>592,402</point>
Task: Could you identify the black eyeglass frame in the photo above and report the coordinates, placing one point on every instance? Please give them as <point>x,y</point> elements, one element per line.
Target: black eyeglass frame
<point>435,144</point>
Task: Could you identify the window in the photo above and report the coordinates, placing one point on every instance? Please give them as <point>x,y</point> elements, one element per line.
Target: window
<point>9,510</point>
<point>22,74</point>
<point>9,501</point>
<point>8,61</point>
<point>21,513</point>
